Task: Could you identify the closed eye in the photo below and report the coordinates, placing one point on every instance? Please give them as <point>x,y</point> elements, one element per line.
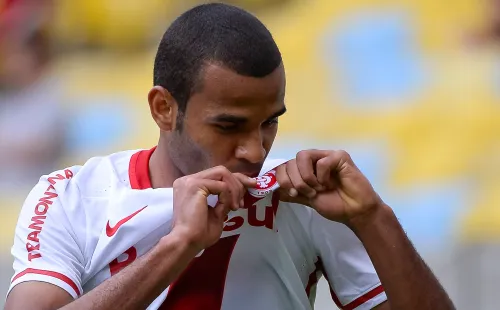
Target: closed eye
<point>227,127</point>
<point>271,122</point>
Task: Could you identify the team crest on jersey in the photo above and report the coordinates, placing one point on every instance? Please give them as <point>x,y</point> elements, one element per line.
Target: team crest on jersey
<point>266,184</point>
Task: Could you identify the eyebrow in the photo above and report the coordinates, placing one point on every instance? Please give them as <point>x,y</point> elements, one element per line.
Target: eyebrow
<point>229,118</point>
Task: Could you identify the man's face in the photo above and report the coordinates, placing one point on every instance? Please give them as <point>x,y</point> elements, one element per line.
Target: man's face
<point>231,121</point>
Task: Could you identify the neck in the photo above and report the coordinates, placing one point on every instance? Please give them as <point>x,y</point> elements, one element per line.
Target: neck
<point>162,170</point>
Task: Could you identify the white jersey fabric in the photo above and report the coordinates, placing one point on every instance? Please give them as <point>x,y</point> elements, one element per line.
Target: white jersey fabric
<point>81,225</point>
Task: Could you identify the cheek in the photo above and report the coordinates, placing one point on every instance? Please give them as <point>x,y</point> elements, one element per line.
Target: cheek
<point>268,138</point>
<point>218,148</point>
<point>189,156</point>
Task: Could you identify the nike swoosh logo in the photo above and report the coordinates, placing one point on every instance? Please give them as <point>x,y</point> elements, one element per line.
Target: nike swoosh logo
<point>111,231</point>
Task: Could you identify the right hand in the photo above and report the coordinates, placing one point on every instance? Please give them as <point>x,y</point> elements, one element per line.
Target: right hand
<point>197,223</point>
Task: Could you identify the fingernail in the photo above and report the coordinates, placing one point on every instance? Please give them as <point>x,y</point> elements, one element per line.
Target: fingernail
<point>292,192</point>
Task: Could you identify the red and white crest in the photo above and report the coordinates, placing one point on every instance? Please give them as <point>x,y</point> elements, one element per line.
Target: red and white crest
<point>266,184</point>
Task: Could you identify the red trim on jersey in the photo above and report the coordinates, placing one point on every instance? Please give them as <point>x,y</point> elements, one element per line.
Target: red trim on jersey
<point>201,285</point>
<point>313,279</point>
<point>53,274</point>
<point>138,170</point>
<point>355,303</point>
<point>361,300</point>
<point>335,299</point>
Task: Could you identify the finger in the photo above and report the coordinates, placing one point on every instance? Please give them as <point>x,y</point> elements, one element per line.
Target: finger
<point>219,188</point>
<point>215,173</point>
<point>306,167</point>
<point>324,171</point>
<point>221,173</point>
<point>244,182</point>
<point>237,191</point>
<point>247,182</point>
<point>284,195</point>
<point>314,155</point>
<point>221,211</point>
<point>282,178</point>
<point>298,183</point>
<point>211,187</point>
<point>334,165</point>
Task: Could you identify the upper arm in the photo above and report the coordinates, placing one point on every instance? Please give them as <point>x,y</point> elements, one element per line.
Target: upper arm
<point>345,264</point>
<point>37,296</point>
<point>48,260</point>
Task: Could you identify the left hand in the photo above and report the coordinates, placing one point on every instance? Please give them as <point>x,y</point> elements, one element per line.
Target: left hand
<point>329,182</point>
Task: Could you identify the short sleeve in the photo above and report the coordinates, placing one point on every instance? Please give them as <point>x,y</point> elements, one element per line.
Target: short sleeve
<point>344,262</point>
<point>45,247</point>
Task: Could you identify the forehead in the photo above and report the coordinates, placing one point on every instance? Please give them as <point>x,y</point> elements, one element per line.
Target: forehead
<point>224,88</point>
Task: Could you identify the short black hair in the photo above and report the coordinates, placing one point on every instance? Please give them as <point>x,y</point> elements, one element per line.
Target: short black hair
<point>212,33</point>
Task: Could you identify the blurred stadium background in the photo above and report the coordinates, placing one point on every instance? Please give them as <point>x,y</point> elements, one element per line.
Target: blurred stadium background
<point>410,87</point>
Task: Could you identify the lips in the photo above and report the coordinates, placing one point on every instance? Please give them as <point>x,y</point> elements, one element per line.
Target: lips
<point>252,174</point>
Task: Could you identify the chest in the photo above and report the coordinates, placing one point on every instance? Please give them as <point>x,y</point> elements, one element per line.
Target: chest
<point>265,241</point>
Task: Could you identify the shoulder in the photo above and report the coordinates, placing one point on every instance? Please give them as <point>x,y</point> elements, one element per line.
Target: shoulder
<point>102,172</point>
<point>98,177</point>
<point>99,174</point>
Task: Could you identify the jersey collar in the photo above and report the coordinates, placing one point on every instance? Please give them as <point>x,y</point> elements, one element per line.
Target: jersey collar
<point>139,169</point>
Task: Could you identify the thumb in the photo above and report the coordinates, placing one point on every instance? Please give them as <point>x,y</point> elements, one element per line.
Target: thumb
<point>285,197</point>
<point>221,210</point>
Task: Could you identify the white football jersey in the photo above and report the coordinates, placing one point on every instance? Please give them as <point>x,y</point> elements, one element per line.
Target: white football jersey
<point>81,225</point>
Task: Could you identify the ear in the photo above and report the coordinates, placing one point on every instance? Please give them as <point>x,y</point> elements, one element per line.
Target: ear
<point>163,108</point>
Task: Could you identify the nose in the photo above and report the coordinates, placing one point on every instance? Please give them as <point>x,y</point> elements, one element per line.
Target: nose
<point>251,149</point>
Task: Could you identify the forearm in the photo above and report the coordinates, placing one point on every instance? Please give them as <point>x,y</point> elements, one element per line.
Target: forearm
<point>137,286</point>
<point>407,280</point>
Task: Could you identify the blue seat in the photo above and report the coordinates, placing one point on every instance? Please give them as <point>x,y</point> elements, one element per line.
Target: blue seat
<point>99,124</point>
<point>376,56</point>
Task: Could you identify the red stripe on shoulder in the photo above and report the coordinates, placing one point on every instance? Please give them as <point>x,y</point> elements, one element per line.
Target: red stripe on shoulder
<point>53,274</point>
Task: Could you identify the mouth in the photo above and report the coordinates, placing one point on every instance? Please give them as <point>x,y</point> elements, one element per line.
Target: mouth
<point>251,174</point>
<point>251,171</point>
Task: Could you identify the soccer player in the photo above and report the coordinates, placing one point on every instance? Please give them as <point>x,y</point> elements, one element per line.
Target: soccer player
<point>133,230</point>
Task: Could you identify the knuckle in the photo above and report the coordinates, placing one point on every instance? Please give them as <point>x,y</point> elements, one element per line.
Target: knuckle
<point>177,183</point>
<point>344,154</point>
<point>309,177</point>
<point>225,187</point>
<point>322,164</point>
<point>189,182</point>
<point>290,163</point>
<point>285,182</point>
<point>180,182</point>
<point>222,169</point>
<point>302,154</point>
<point>301,186</point>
